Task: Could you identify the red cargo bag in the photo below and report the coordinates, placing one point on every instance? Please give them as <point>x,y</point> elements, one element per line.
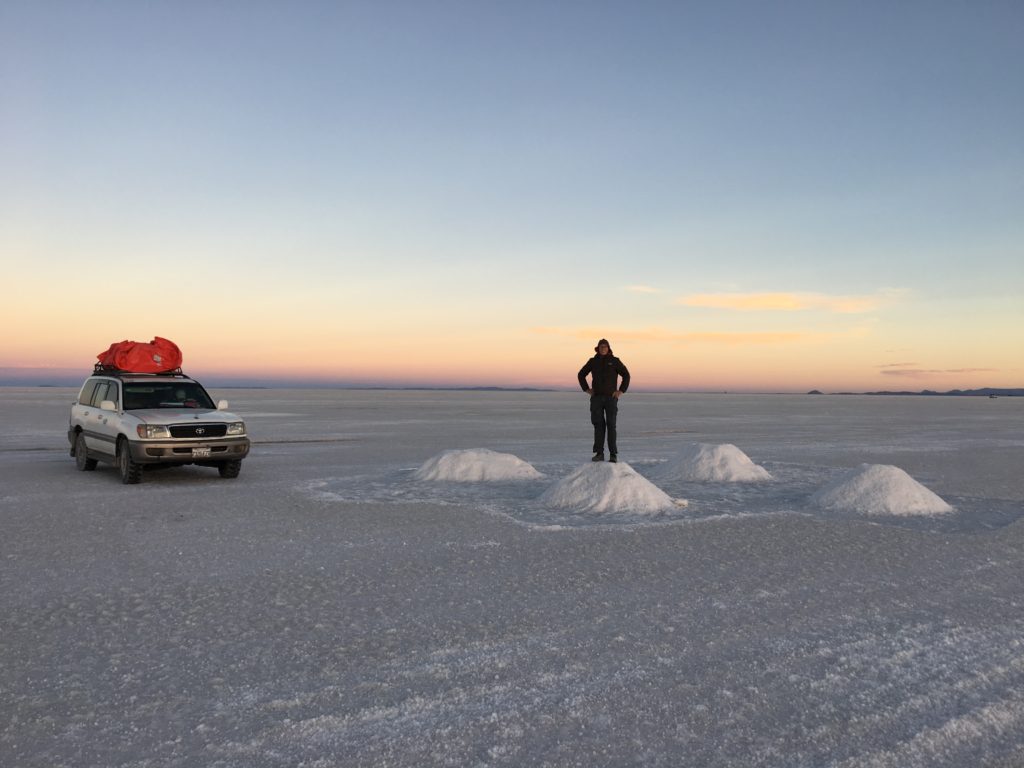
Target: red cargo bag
<point>158,356</point>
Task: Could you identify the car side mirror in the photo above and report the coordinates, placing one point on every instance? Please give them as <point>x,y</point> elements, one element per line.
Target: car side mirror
<point>108,405</point>
<point>222,405</point>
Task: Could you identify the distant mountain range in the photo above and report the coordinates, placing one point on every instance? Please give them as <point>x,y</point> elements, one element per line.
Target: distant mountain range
<point>984,392</point>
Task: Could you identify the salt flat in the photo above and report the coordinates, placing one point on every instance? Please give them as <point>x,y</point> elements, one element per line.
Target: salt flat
<point>328,609</point>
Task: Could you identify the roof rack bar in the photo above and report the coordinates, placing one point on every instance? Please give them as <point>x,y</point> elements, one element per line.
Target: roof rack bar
<point>107,370</point>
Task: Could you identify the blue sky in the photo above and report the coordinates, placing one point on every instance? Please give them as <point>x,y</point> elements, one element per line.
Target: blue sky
<point>521,165</point>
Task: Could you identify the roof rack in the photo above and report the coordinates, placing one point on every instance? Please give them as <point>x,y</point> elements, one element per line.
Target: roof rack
<point>107,370</point>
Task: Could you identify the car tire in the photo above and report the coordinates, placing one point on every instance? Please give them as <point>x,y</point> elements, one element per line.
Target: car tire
<point>82,461</point>
<point>230,468</point>
<point>131,472</point>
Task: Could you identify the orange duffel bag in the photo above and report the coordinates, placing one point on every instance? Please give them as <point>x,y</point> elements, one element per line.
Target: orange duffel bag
<point>157,356</point>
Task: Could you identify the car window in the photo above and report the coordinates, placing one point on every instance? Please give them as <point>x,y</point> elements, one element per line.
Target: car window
<point>111,394</point>
<point>100,394</point>
<point>171,394</point>
<point>137,397</point>
<point>88,389</point>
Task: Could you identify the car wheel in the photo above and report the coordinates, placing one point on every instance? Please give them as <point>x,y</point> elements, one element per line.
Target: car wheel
<point>230,468</point>
<point>131,472</point>
<point>82,460</point>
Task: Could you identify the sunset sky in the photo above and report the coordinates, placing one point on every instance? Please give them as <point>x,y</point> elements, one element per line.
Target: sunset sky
<point>741,196</point>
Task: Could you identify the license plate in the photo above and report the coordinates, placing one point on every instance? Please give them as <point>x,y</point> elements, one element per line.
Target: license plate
<point>200,453</point>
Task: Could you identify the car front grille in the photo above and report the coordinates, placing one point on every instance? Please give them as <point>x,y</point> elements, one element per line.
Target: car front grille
<point>199,430</point>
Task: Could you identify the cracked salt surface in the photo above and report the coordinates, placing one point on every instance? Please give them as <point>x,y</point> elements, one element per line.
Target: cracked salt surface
<point>326,609</point>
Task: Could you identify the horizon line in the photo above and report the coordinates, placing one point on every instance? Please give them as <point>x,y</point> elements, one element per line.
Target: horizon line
<point>61,382</point>
<point>54,377</point>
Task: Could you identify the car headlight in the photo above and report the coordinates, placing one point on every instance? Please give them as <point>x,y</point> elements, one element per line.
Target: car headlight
<point>152,430</point>
<point>236,428</point>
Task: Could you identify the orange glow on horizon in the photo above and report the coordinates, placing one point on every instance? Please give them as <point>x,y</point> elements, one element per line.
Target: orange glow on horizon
<point>826,351</point>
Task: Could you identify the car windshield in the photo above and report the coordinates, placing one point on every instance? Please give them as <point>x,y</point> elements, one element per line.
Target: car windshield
<point>171,394</point>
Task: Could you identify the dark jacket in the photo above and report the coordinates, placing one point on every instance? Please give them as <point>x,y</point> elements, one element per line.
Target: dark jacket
<point>604,373</point>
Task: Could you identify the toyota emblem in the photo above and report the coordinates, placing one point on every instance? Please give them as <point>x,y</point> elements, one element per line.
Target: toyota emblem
<point>200,431</point>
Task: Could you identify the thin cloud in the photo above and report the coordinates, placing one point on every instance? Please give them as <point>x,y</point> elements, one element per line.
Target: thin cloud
<point>661,335</point>
<point>791,302</point>
<point>917,373</point>
<point>642,289</point>
<point>899,365</point>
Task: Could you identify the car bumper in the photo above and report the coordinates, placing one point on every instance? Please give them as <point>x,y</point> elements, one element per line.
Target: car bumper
<point>183,451</point>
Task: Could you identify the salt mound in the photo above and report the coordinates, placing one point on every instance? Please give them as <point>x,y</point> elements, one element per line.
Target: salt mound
<point>476,465</point>
<point>712,463</point>
<point>879,489</point>
<point>606,487</point>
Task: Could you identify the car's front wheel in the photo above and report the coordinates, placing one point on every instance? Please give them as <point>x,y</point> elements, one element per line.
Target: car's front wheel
<point>230,468</point>
<point>131,472</point>
<point>82,461</point>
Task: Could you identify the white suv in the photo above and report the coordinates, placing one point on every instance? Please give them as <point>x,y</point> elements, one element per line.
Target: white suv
<point>135,419</point>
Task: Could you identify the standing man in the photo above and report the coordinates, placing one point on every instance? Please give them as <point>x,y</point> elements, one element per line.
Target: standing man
<point>604,369</point>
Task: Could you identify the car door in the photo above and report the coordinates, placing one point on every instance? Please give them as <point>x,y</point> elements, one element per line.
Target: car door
<point>99,426</point>
<point>83,413</point>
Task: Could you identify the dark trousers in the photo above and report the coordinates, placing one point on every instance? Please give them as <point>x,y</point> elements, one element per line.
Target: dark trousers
<point>603,410</point>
